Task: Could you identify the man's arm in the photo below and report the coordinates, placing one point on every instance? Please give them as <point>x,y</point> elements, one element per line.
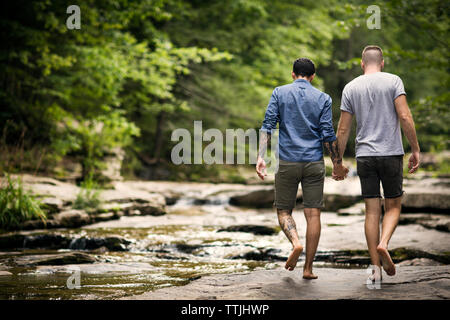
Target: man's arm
<point>271,119</point>
<point>333,149</point>
<point>264,141</point>
<point>339,170</point>
<point>407,123</point>
<point>343,131</point>
<point>330,141</point>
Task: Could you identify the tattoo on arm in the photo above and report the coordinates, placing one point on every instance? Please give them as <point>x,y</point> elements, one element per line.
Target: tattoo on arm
<point>333,149</point>
<point>263,142</point>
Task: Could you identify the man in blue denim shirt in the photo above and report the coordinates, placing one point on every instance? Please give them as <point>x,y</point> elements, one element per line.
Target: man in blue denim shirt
<point>305,123</point>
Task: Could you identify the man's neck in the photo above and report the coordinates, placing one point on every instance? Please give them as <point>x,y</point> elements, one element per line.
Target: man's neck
<point>372,69</point>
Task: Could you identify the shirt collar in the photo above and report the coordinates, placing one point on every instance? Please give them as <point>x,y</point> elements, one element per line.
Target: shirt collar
<point>302,81</point>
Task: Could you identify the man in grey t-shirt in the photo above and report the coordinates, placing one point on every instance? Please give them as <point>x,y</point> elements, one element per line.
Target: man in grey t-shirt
<point>370,97</point>
<point>378,101</point>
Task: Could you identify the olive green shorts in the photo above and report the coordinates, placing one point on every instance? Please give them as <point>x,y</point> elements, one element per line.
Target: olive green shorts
<point>310,174</point>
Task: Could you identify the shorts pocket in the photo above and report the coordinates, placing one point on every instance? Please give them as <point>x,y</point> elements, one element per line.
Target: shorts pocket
<point>392,167</point>
<point>365,167</point>
<point>314,169</point>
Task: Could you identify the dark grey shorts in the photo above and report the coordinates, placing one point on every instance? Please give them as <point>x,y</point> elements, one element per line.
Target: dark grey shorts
<point>310,174</point>
<point>388,170</point>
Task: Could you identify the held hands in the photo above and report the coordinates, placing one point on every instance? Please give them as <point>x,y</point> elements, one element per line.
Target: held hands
<point>339,172</point>
<point>261,168</point>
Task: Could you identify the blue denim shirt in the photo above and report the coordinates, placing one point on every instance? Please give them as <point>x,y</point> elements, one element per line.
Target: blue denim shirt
<point>304,115</point>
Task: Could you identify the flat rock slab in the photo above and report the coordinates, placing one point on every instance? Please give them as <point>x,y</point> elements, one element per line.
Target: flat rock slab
<point>98,268</point>
<point>55,259</point>
<point>411,282</point>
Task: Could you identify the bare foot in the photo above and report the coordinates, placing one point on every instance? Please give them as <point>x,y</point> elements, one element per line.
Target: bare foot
<point>309,275</point>
<point>293,258</point>
<point>388,264</point>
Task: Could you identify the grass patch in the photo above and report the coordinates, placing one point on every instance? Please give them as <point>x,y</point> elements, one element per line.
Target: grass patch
<point>89,196</point>
<point>17,205</point>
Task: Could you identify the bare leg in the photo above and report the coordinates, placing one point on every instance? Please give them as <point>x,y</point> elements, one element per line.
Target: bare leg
<point>312,216</point>
<point>289,228</point>
<point>372,228</point>
<point>390,221</point>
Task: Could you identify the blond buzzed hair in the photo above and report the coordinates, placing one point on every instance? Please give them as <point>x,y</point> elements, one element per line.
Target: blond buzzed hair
<point>372,55</point>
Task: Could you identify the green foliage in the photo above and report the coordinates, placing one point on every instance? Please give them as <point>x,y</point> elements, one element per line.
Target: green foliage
<point>414,38</point>
<point>91,140</point>
<point>89,196</point>
<point>17,205</point>
<point>136,70</point>
<point>96,88</point>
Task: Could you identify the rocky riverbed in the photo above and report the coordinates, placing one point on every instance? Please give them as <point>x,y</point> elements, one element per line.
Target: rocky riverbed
<point>151,235</point>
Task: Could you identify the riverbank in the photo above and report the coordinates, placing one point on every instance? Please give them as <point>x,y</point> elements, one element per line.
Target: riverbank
<point>139,198</point>
<point>203,231</point>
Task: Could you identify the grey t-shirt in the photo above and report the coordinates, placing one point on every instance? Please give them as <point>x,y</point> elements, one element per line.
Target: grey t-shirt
<point>371,99</point>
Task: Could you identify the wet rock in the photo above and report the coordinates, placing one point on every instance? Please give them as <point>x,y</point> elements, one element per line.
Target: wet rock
<point>72,218</point>
<point>134,207</point>
<point>256,199</point>
<point>200,202</point>
<point>5,273</point>
<point>171,257</point>
<point>269,254</point>
<point>361,257</point>
<point>38,224</point>
<point>352,257</point>
<point>58,241</point>
<point>150,209</point>
<point>413,282</point>
<point>426,202</point>
<point>255,229</point>
<point>130,193</point>
<point>437,222</point>
<point>401,254</point>
<point>187,248</point>
<point>105,216</point>
<point>11,241</point>
<point>420,262</point>
<point>445,227</point>
<point>406,219</point>
<point>55,259</point>
<point>427,195</point>
<point>48,188</point>
<point>112,243</point>
<point>170,201</point>
<point>334,202</point>
<point>47,241</point>
<point>357,209</point>
<point>134,212</point>
<point>188,211</point>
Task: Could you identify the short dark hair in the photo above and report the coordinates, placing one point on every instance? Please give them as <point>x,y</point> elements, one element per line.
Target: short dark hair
<point>372,55</point>
<point>304,67</point>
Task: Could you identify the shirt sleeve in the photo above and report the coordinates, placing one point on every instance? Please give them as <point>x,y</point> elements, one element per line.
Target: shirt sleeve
<point>272,114</point>
<point>326,122</point>
<point>399,89</point>
<point>346,104</point>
